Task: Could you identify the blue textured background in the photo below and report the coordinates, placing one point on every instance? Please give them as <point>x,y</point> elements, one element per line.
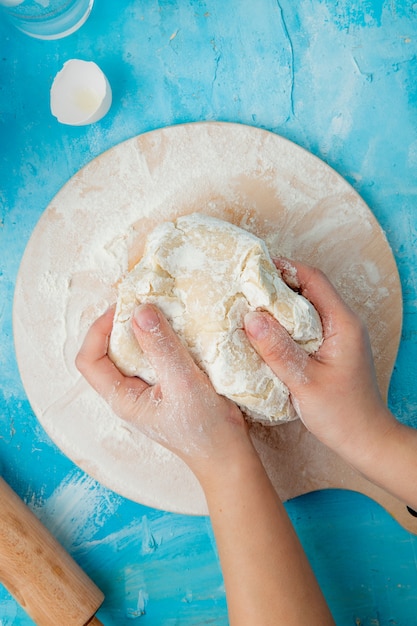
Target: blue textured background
<point>338,78</point>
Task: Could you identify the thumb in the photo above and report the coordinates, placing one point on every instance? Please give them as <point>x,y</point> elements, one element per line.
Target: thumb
<point>276,347</point>
<point>170,359</point>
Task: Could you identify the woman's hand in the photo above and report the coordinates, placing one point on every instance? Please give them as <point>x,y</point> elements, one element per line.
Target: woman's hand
<point>335,390</point>
<point>182,411</point>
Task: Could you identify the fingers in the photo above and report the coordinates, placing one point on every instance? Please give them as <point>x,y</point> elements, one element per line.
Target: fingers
<point>284,356</point>
<point>276,347</point>
<point>272,342</point>
<point>170,359</point>
<point>316,287</point>
<point>92,360</point>
<point>172,362</point>
<point>96,367</point>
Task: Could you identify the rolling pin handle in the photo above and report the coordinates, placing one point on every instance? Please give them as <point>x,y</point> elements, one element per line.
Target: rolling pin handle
<point>38,572</point>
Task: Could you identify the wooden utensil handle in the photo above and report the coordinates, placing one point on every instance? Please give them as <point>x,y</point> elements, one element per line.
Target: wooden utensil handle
<point>38,572</point>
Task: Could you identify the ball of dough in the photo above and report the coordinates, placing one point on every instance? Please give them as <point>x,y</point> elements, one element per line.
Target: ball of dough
<point>205,274</point>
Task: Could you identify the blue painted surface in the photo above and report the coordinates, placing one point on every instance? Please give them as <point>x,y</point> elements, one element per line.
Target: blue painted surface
<point>340,79</point>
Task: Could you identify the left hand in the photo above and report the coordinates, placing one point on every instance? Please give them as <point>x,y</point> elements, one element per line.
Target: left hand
<point>182,411</point>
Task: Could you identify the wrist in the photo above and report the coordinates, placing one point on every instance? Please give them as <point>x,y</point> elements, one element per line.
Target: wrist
<point>367,448</point>
<point>227,471</point>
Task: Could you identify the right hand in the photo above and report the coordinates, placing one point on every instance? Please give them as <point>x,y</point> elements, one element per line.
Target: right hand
<point>335,391</point>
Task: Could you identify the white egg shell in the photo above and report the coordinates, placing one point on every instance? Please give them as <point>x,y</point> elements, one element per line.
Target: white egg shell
<point>80,93</point>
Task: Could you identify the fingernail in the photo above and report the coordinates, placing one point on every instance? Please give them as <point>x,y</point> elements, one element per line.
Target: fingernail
<point>146,317</point>
<point>256,325</point>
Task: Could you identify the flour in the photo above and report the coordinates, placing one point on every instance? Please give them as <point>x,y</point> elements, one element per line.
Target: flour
<point>205,275</point>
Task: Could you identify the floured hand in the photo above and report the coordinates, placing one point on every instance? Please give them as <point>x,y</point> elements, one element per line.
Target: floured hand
<point>335,390</point>
<point>181,411</point>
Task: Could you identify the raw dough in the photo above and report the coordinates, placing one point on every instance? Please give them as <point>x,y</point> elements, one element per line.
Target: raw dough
<point>205,274</point>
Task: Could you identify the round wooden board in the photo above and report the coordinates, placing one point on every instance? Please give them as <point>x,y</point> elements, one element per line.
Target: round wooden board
<point>93,232</point>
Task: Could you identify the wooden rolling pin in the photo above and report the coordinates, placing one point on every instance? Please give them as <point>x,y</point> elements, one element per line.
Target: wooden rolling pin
<point>38,572</point>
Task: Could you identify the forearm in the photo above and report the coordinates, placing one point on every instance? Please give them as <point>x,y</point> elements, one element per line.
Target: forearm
<point>386,455</point>
<point>267,575</point>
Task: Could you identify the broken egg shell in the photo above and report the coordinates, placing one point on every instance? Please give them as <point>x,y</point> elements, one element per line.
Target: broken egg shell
<point>80,93</point>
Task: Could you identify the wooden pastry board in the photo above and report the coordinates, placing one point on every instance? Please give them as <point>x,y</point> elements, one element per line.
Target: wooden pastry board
<point>93,232</point>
